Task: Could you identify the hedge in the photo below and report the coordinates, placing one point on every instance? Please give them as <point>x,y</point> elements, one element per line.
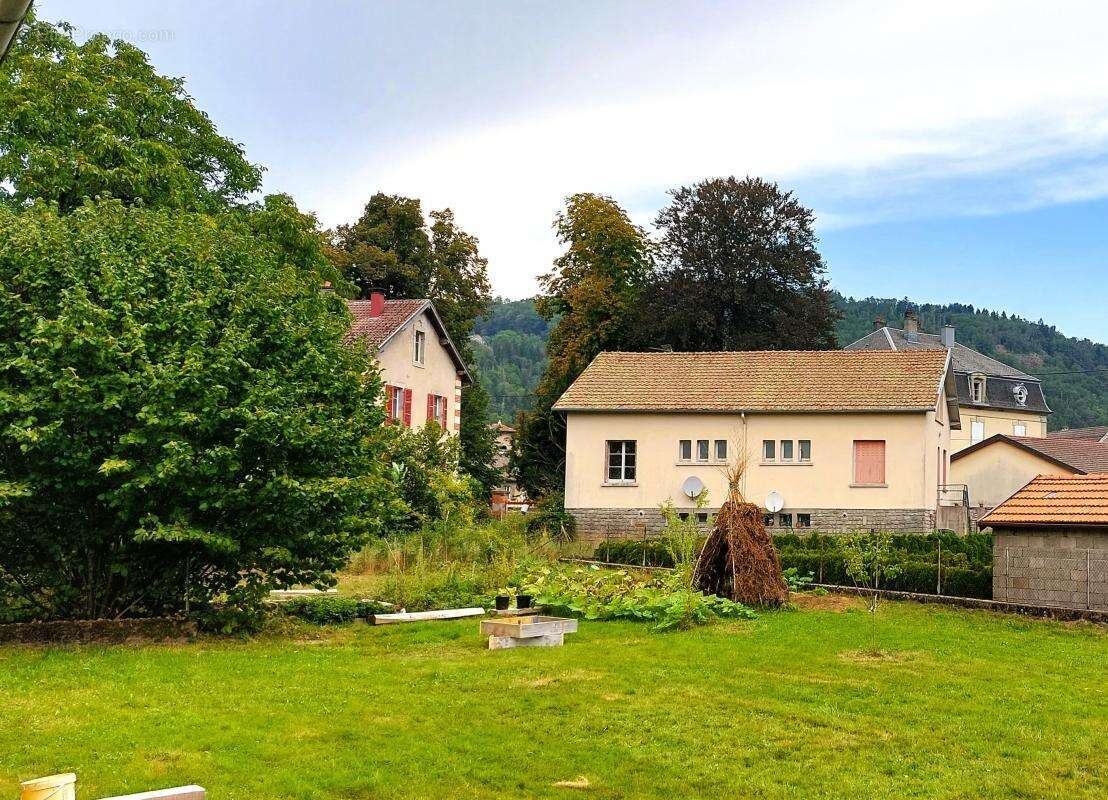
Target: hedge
<point>967,561</point>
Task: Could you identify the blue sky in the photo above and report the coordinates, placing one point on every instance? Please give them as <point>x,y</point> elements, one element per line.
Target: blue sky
<point>952,151</point>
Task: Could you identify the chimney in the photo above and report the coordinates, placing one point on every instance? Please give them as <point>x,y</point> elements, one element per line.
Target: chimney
<point>878,323</point>
<point>911,322</point>
<point>376,304</point>
<point>948,336</point>
<point>326,288</point>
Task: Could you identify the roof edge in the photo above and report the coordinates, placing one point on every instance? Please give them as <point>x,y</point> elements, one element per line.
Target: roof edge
<point>998,437</point>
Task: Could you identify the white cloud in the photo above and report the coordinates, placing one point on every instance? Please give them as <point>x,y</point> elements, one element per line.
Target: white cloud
<point>867,101</point>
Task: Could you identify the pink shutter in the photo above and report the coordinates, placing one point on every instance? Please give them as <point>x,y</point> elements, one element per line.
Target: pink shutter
<point>869,461</point>
<point>408,407</point>
<point>430,407</point>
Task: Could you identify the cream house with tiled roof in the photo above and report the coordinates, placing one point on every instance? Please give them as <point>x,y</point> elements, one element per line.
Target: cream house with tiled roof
<point>421,367</point>
<point>994,398</point>
<point>847,439</point>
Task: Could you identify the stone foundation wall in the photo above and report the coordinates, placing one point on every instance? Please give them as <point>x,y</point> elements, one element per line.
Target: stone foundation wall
<point>596,524</point>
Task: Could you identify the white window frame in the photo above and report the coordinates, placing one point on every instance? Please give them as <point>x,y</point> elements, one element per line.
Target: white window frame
<point>767,446</point>
<point>703,454</point>
<point>977,431</point>
<point>716,449</point>
<point>684,450</point>
<point>419,353</point>
<point>1019,428</point>
<point>787,459</point>
<point>977,389</point>
<point>439,407</point>
<point>623,451</point>
<point>800,457</point>
<point>396,404</point>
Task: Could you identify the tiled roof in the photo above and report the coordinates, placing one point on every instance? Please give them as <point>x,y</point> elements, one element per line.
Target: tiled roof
<point>965,359</point>
<point>376,330</point>
<point>1081,455</point>
<point>1097,433</point>
<point>764,380</point>
<point>1055,500</point>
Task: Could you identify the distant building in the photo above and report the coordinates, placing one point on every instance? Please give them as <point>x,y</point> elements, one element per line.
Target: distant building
<point>993,397</point>
<point>1097,433</point>
<point>508,497</point>
<point>833,440</point>
<point>420,365</point>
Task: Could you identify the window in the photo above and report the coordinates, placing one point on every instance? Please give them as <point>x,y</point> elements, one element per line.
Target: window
<point>803,520</point>
<point>769,450</point>
<point>786,449</point>
<point>805,447</point>
<point>684,450</point>
<point>436,409</point>
<point>767,520</point>
<point>721,449</point>
<point>785,520</point>
<point>869,462</point>
<point>701,449</point>
<point>396,403</point>
<point>977,431</point>
<point>420,347</point>
<point>1019,429</point>
<point>977,388</point>
<point>702,517</point>
<point>621,461</point>
<point>683,515</point>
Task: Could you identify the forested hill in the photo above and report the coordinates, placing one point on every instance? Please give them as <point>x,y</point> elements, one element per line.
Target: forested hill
<point>511,352</point>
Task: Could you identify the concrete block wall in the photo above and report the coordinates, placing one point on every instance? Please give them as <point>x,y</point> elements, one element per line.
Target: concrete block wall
<point>1051,568</point>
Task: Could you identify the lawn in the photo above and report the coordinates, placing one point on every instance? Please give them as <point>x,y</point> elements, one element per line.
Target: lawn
<point>972,705</point>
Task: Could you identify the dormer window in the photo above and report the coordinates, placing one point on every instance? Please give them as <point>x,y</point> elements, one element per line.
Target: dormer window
<point>977,388</point>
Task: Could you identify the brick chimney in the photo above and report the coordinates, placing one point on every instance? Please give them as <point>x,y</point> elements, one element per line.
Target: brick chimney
<point>948,336</point>
<point>376,304</point>
<point>911,322</point>
<point>878,323</point>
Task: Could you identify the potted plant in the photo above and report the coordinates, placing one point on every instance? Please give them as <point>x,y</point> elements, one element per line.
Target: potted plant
<point>523,601</point>
<point>502,600</point>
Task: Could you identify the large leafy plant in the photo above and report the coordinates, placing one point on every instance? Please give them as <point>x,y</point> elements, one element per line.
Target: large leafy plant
<point>179,419</point>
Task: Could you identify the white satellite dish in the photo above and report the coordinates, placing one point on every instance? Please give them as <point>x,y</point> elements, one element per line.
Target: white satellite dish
<point>774,502</point>
<point>692,487</point>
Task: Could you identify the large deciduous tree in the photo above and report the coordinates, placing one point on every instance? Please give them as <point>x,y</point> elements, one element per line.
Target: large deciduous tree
<point>179,417</point>
<point>393,248</point>
<point>738,270</point>
<point>94,119</point>
<point>593,293</point>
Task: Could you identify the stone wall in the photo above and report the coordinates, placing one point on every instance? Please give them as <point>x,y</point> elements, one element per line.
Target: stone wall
<point>1051,568</point>
<point>596,524</point>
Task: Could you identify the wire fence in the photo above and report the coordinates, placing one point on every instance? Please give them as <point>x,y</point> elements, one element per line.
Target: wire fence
<point>1054,578</point>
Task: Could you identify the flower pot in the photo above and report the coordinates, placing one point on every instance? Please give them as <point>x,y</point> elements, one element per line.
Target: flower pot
<point>523,601</point>
<point>502,601</point>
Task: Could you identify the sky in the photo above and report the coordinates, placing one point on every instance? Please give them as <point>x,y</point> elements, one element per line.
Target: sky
<point>952,151</point>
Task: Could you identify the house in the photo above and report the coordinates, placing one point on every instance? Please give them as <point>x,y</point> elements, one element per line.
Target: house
<point>508,497</point>
<point>847,439</point>
<point>1050,543</point>
<point>1097,433</point>
<point>992,396</point>
<point>1001,464</point>
<point>421,367</point>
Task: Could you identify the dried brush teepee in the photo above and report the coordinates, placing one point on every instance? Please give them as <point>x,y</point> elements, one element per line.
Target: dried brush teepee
<point>738,560</point>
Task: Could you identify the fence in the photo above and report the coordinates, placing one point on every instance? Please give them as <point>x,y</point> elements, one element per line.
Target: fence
<point>1055,578</point>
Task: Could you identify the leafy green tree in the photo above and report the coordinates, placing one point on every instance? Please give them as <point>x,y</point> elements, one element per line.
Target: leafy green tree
<point>869,560</point>
<point>739,270</point>
<point>94,119</point>
<point>423,465</point>
<point>393,248</point>
<point>478,442</point>
<point>593,292</point>
<point>179,418</point>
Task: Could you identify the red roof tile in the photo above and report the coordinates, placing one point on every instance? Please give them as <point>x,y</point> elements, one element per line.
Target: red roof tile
<point>376,330</point>
<point>1055,500</point>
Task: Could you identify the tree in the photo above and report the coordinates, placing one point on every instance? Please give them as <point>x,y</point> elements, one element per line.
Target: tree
<point>180,420</point>
<point>393,249</point>
<point>739,270</point>
<point>869,561</point>
<point>94,119</point>
<point>593,291</point>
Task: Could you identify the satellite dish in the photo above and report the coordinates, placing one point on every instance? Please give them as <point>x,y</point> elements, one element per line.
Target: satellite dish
<point>692,487</point>
<point>774,502</point>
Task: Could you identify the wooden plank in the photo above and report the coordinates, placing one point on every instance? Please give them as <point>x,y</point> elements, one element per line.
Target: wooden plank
<point>176,793</point>
<point>527,627</point>
<point>508,642</point>
<point>422,616</point>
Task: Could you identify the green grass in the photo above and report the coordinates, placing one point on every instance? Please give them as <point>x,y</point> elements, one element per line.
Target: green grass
<point>971,705</point>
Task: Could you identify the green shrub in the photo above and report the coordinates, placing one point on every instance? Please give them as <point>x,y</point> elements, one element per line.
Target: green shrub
<point>330,609</point>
